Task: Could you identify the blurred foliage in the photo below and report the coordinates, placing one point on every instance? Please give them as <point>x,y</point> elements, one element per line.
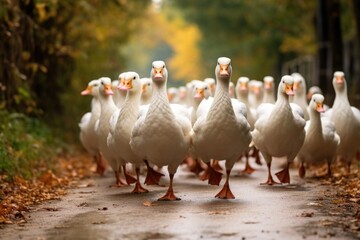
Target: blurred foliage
<point>27,146</point>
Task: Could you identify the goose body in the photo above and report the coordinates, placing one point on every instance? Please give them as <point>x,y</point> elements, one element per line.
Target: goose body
<point>300,93</point>
<point>321,140</point>
<point>161,135</point>
<point>346,119</point>
<point>221,130</point>
<point>123,122</point>
<point>102,127</point>
<point>88,136</point>
<point>279,130</point>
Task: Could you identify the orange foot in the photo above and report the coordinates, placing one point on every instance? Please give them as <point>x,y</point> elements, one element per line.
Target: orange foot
<point>194,166</point>
<point>129,179</point>
<point>270,181</point>
<point>139,189</point>
<point>225,193</point>
<point>284,175</point>
<point>248,169</point>
<point>152,176</point>
<point>170,196</point>
<point>212,175</point>
<point>216,165</point>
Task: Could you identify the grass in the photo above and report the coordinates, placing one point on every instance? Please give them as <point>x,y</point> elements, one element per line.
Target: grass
<point>27,146</point>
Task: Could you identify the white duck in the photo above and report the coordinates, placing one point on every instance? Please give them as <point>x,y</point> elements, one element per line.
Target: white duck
<point>279,130</point>
<point>300,93</point>
<point>161,135</point>
<point>221,130</point>
<point>123,123</point>
<point>146,90</point>
<point>346,119</point>
<point>321,139</point>
<point>102,126</point>
<point>88,136</point>
<point>269,89</point>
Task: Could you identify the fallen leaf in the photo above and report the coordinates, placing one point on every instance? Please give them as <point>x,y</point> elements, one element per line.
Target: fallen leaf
<point>147,203</point>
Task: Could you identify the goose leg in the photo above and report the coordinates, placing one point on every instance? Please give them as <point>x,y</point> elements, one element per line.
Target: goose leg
<point>101,164</point>
<point>138,188</point>
<point>216,165</point>
<point>256,155</point>
<point>129,179</point>
<point>119,181</point>
<point>248,169</point>
<point>169,196</point>
<point>284,175</point>
<point>194,165</point>
<point>270,180</point>
<point>329,169</point>
<point>302,170</point>
<point>152,176</point>
<point>212,175</point>
<point>225,192</point>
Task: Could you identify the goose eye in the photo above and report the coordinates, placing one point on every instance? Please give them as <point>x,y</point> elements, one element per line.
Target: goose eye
<point>134,77</point>
<point>206,88</point>
<point>283,81</point>
<point>102,83</point>
<point>95,85</point>
<point>148,84</point>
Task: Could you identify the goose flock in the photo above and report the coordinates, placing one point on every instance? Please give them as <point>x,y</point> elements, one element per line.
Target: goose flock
<point>140,122</point>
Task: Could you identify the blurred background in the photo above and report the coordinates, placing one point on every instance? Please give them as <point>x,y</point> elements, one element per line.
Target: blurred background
<point>51,49</point>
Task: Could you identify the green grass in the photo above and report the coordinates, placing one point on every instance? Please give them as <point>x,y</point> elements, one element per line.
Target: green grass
<point>27,146</point>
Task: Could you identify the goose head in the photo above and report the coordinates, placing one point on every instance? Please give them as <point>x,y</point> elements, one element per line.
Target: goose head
<point>223,69</point>
<point>299,83</point>
<point>312,90</point>
<point>105,86</point>
<point>92,88</point>
<point>339,82</point>
<point>317,103</point>
<point>159,73</point>
<point>268,83</point>
<point>211,83</point>
<point>131,82</point>
<point>256,87</point>
<point>286,86</point>
<point>182,93</point>
<point>172,93</point>
<point>146,86</point>
<point>242,85</point>
<point>201,90</point>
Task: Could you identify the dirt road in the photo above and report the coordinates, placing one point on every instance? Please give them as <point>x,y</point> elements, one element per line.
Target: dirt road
<point>93,210</point>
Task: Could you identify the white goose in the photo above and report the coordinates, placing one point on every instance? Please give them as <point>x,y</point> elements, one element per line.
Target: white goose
<point>122,124</point>
<point>160,135</point>
<point>221,130</point>
<point>346,119</point>
<point>321,139</point>
<point>242,94</point>
<point>102,126</point>
<point>300,93</point>
<point>146,90</point>
<point>256,93</point>
<point>88,136</point>
<point>279,130</point>
<point>269,89</point>
<point>119,96</point>
<point>200,91</point>
<point>212,85</point>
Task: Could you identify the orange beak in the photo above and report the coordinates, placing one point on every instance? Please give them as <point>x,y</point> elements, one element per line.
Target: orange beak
<point>289,89</point>
<point>125,85</point>
<point>243,86</point>
<point>143,88</point>
<point>199,93</point>
<point>158,73</point>
<point>108,90</point>
<point>224,70</point>
<point>87,91</point>
<point>340,80</point>
<point>268,85</point>
<point>296,85</point>
<point>319,107</point>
